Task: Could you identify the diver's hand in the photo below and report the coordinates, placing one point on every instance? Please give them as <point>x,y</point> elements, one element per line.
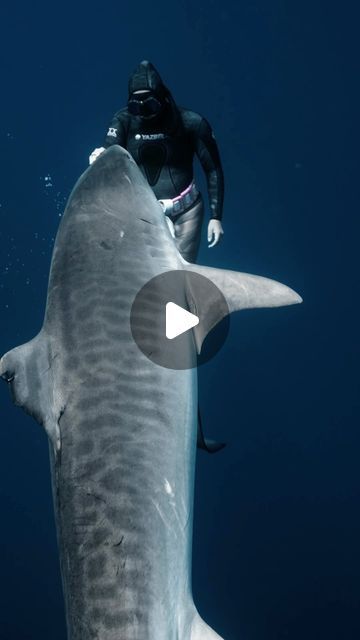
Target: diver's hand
<point>95,154</point>
<point>215,231</point>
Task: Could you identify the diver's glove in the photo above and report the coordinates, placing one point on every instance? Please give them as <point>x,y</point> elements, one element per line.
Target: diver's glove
<point>95,154</point>
<point>215,231</point>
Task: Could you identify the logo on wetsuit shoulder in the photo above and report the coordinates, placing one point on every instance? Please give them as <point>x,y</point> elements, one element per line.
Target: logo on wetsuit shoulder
<point>150,136</point>
<point>112,132</point>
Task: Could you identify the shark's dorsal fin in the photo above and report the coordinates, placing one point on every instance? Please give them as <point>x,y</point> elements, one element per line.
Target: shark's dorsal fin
<point>241,291</point>
<point>28,371</point>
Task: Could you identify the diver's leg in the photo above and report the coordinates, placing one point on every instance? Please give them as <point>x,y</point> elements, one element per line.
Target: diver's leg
<point>188,230</point>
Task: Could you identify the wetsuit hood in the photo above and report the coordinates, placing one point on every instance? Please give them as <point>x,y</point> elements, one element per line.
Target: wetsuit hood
<point>146,77</point>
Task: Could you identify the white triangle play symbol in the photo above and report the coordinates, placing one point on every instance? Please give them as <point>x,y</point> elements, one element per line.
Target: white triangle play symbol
<point>178,320</point>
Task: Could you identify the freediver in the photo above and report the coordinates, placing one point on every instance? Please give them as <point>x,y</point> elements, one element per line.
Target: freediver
<point>163,139</point>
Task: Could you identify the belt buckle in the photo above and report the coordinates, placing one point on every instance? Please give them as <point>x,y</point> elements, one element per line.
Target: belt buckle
<point>176,206</point>
<point>167,206</point>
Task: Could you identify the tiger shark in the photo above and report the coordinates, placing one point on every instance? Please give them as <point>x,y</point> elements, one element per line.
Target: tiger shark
<point>122,430</point>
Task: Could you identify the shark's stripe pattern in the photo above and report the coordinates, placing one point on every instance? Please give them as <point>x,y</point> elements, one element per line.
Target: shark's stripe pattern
<point>122,504</point>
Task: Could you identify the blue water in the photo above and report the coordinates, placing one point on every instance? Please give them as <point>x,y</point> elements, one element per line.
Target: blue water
<point>277,525</point>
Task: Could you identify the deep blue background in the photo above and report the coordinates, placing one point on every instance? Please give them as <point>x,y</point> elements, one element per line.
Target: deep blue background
<point>277,526</point>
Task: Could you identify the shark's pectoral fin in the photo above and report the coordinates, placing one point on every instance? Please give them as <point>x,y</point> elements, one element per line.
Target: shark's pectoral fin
<point>241,291</point>
<point>28,371</point>
<point>204,443</point>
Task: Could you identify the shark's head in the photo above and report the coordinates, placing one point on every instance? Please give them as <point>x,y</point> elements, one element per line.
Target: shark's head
<point>114,186</point>
<point>113,223</point>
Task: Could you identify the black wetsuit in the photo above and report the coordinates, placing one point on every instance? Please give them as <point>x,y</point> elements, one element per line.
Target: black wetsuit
<point>164,148</point>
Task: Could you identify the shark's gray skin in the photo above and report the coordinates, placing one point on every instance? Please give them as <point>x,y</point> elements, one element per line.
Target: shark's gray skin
<point>122,429</point>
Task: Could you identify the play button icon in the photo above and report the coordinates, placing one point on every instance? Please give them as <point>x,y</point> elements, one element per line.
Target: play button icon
<point>178,320</point>
<point>171,316</point>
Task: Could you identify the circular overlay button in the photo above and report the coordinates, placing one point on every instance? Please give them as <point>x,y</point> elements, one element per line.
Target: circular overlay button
<point>176,313</point>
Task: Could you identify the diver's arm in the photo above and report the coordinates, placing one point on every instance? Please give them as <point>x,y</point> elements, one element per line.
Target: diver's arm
<point>115,135</point>
<point>116,132</point>
<point>208,154</point>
